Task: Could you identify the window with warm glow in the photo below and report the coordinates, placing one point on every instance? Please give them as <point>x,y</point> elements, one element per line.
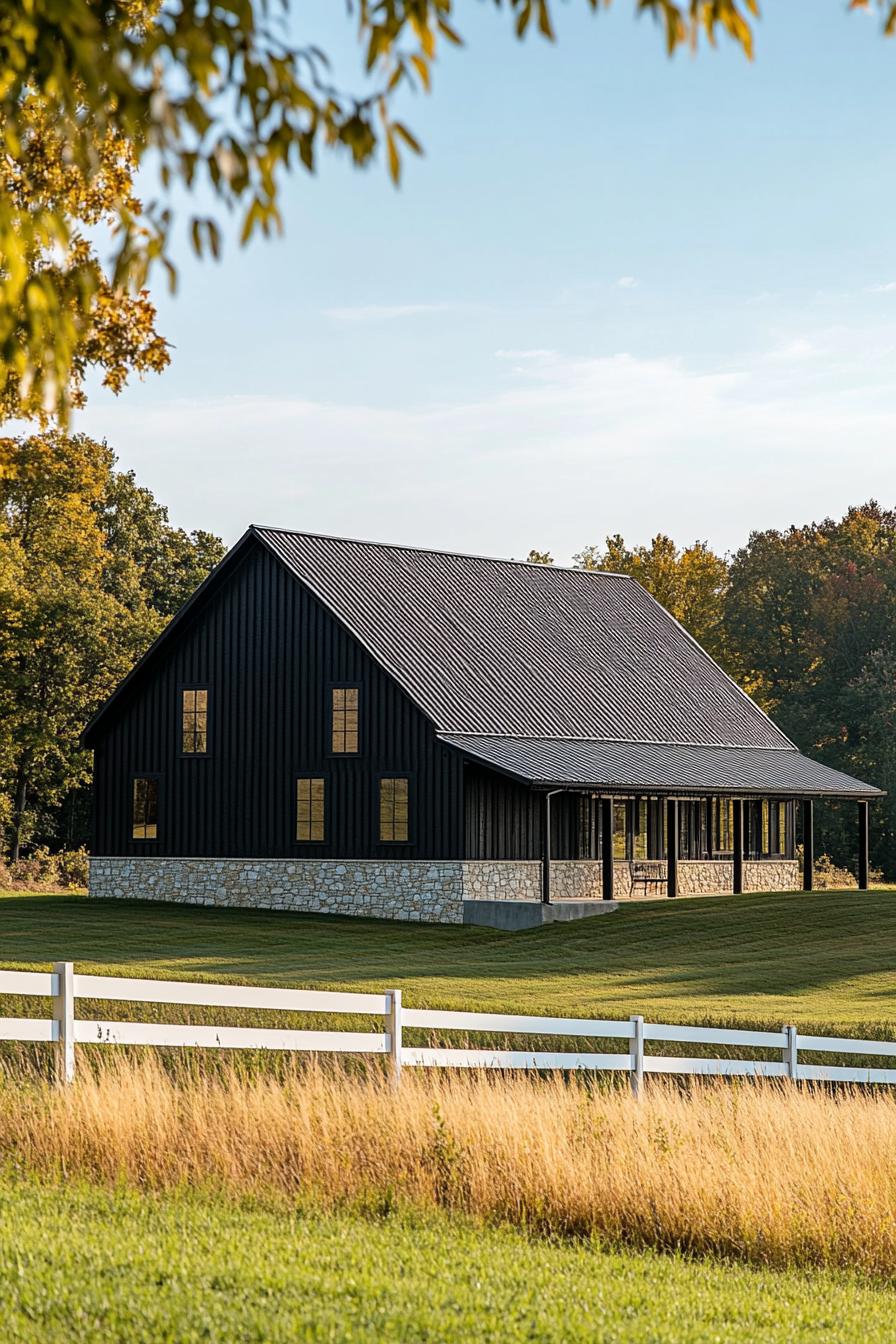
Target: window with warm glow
<point>345,720</point>
<point>194,741</point>
<point>393,809</point>
<point>310,797</point>
<point>146,808</point>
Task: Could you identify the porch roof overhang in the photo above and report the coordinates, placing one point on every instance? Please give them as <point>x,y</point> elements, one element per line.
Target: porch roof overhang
<point>660,768</point>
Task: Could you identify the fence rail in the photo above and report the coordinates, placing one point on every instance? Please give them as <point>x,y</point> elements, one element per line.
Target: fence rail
<point>65,1030</point>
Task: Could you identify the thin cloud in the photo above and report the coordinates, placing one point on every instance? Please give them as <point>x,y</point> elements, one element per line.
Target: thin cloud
<point>587,444</point>
<point>626,282</point>
<point>888,288</point>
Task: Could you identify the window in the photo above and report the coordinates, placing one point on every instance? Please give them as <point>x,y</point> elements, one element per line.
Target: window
<point>393,809</point>
<point>725,815</point>
<point>310,809</point>
<point>345,720</point>
<point>146,808</point>
<point>194,741</point>
<point>639,839</point>
<point>766,841</point>
<point>620,831</point>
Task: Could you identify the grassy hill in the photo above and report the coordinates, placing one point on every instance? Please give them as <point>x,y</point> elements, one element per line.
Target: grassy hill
<point>824,957</point>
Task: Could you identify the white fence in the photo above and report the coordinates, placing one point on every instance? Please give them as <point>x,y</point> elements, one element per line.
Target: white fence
<point>65,1030</point>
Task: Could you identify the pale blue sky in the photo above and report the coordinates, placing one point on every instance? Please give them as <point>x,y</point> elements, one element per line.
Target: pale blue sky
<point>618,294</point>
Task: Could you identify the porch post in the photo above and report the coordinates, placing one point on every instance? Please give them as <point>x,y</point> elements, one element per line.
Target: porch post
<point>808,845</point>
<point>863,844</point>
<point>546,849</point>
<point>606,847</point>
<point>671,846</point>
<point>737,844</point>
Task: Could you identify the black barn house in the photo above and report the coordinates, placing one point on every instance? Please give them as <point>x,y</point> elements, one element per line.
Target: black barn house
<point>340,726</point>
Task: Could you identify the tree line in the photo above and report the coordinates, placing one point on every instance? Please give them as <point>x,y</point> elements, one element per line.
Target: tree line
<point>804,619</point>
<point>91,570</point>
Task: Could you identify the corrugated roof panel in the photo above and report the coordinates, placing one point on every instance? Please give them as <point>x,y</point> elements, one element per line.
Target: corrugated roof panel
<point>497,646</point>
<point>641,767</point>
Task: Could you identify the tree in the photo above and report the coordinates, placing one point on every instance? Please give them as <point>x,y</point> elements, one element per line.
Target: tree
<point>60,314</point>
<point>90,570</point>
<point>539,558</point>
<point>811,627</point>
<point>691,583</point>
<point>220,98</point>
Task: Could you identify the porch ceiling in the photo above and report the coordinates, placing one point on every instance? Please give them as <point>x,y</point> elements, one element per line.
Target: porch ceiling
<point>661,768</point>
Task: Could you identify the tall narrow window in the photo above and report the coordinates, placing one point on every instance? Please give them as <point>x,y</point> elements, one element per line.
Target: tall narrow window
<point>639,839</point>
<point>310,809</point>
<point>146,808</point>
<point>393,809</point>
<point>194,741</point>
<point>620,830</point>
<point>345,720</point>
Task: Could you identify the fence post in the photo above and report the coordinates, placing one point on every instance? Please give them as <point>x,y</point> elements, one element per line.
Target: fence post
<point>393,1026</point>
<point>636,1070</point>
<point>64,1016</point>
<point>790,1055</point>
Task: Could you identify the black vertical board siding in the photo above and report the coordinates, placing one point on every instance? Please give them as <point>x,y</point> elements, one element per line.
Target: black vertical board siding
<point>504,820</point>
<point>268,653</point>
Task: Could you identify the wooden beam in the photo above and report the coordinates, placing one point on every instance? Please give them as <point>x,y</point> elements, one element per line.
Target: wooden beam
<point>808,845</point>
<point>737,845</point>
<point>863,844</point>
<point>606,845</point>
<point>672,847</point>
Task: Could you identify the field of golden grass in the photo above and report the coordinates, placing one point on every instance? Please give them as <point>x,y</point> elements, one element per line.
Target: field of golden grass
<point>771,1174</point>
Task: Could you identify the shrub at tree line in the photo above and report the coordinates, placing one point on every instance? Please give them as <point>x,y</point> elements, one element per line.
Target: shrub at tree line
<point>91,570</point>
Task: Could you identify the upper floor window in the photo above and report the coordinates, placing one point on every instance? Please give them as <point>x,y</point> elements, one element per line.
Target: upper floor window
<point>145,821</point>
<point>393,809</point>
<point>310,799</point>
<point>345,720</point>
<point>194,740</point>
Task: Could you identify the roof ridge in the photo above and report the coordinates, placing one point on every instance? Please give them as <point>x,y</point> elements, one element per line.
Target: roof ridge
<point>439,550</point>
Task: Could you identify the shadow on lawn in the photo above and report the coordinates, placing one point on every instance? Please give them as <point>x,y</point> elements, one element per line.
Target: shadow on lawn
<point>718,947</point>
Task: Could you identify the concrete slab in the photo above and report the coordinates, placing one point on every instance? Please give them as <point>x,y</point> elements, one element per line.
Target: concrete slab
<point>513,915</point>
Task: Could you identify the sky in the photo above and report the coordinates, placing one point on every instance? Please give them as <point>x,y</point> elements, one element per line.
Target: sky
<point>619,294</point>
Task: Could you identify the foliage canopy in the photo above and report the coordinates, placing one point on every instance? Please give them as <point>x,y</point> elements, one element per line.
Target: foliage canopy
<point>221,98</point>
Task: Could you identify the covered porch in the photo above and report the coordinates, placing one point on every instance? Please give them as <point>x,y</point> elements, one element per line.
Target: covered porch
<point>612,820</point>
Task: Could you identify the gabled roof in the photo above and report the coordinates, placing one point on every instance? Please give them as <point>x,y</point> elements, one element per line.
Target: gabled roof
<point>502,647</point>
<point>639,767</point>
<point>556,676</point>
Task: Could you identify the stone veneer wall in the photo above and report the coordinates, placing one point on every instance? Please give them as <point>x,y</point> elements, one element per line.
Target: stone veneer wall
<point>501,880</point>
<point>424,890</point>
<point>429,891</point>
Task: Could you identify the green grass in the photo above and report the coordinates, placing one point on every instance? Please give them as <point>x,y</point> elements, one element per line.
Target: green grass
<point>87,1266</point>
<point>824,957</point>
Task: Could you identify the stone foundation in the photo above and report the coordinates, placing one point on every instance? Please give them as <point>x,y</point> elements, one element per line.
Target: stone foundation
<point>428,891</point>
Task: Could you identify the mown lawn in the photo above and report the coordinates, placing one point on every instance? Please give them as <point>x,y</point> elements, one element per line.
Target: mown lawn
<point>824,957</point>
<point>80,1265</point>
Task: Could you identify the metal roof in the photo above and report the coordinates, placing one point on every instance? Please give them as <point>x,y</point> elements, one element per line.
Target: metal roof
<point>502,647</point>
<point>641,767</point>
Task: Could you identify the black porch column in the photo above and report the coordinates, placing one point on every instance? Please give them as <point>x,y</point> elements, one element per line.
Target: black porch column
<point>546,849</point>
<point>808,845</point>
<point>737,845</point>
<point>863,844</point>
<point>671,846</point>
<point>606,847</point>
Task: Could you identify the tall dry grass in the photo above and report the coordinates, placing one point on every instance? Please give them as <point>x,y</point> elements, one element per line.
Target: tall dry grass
<point>768,1173</point>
